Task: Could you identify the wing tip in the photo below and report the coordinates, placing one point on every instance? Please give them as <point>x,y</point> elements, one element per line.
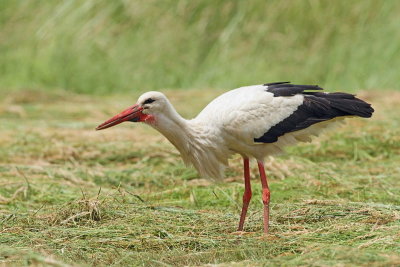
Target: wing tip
<point>275,83</point>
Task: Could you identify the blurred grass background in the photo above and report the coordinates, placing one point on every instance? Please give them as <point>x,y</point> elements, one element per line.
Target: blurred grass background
<point>118,46</point>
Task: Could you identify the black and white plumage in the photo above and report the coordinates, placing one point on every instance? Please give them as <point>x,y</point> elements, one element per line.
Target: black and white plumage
<point>317,107</point>
<point>253,121</point>
<point>257,121</point>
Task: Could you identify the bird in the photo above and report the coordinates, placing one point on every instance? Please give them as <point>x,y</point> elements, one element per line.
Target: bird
<point>254,121</point>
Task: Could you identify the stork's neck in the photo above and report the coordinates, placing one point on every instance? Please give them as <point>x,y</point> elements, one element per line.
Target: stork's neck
<point>192,138</point>
<point>173,126</point>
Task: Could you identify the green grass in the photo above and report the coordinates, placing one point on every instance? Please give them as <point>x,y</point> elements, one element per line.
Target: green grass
<point>124,46</point>
<point>72,196</point>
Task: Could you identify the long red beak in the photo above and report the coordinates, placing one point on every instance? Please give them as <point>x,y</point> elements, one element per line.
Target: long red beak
<point>130,114</point>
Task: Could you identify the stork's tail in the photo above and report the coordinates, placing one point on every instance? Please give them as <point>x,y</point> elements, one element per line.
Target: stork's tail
<point>343,104</point>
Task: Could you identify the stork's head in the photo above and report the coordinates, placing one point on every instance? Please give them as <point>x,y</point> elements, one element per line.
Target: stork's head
<point>147,109</point>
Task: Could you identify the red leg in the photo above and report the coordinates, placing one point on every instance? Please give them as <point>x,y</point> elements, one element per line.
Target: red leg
<point>265,195</point>
<point>246,194</point>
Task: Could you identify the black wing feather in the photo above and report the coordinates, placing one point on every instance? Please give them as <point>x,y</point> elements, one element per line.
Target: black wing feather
<point>317,107</point>
<point>288,89</point>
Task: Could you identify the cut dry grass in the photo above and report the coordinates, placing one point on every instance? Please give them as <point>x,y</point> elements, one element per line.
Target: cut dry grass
<point>72,196</point>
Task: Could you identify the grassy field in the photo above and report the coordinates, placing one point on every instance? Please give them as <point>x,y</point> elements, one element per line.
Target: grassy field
<point>72,196</point>
<point>102,46</point>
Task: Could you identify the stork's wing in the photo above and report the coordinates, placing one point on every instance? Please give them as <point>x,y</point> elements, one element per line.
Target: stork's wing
<point>263,113</point>
<point>316,107</point>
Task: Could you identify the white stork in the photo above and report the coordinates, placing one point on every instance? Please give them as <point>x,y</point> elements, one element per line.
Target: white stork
<point>253,121</point>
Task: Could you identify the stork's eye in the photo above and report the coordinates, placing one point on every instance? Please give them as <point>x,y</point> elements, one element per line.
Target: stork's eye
<point>148,101</point>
